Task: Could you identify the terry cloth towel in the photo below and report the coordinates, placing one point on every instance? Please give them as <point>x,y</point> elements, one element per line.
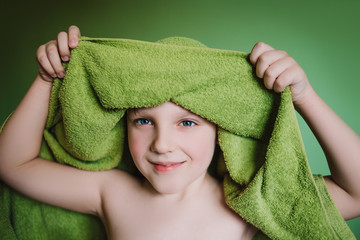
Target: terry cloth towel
<point>262,161</point>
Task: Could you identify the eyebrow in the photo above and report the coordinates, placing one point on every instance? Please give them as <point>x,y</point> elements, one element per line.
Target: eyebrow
<point>137,111</point>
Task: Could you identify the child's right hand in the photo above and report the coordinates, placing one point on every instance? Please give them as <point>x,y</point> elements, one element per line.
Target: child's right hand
<point>50,54</point>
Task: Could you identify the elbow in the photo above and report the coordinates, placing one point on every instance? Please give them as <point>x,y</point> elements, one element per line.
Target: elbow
<point>5,169</point>
<point>10,168</point>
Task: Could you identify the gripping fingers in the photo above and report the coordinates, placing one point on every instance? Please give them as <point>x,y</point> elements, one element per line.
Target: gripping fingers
<point>258,50</point>
<point>267,59</point>
<point>276,68</point>
<point>49,55</point>
<point>74,34</point>
<point>283,80</point>
<point>63,46</point>
<point>45,68</point>
<point>54,58</point>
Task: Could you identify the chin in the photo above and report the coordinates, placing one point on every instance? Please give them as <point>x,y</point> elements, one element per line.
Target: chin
<point>168,188</point>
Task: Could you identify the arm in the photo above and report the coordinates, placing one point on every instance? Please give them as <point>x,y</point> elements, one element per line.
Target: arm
<point>21,139</point>
<point>341,146</point>
<point>339,142</point>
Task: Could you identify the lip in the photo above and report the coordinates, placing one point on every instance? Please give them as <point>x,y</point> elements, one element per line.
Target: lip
<point>166,167</point>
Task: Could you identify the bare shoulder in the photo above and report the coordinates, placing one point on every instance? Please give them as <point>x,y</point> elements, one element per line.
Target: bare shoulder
<point>119,180</point>
<point>117,188</point>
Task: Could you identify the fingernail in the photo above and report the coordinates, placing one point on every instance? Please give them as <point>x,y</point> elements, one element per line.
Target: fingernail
<point>73,43</point>
<point>65,58</point>
<point>54,75</point>
<point>61,75</point>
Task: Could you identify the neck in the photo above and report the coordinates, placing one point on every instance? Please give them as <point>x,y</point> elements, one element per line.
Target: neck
<point>198,188</point>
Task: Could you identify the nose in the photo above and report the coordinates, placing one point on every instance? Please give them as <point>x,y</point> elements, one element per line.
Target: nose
<point>163,141</point>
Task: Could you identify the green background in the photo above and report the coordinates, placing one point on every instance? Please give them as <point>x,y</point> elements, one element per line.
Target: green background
<point>323,36</point>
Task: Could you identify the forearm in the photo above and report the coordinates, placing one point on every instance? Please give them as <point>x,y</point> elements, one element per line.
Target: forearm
<point>21,137</point>
<point>339,142</point>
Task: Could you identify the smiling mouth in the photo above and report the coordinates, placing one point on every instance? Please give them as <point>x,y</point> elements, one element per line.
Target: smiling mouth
<point>166,167</point>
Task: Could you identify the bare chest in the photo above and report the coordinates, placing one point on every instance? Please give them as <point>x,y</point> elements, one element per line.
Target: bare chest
<point>146,220</point>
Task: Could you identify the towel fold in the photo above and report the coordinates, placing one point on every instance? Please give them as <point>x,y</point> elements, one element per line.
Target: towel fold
<point>263,164</point>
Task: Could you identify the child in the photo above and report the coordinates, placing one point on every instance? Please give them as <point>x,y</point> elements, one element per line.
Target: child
<point>172,147</point>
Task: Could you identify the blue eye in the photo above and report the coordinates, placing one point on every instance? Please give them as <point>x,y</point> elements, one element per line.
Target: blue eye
<point>142,121</point>
<point>187,123</point>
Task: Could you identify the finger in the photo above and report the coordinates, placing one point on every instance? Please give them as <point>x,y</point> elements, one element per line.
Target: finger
<point>258,50</point>
<point>284,80</point>
<point>44,75</point>
<point>275,69</point>
<point>266,59</point>
<point>54,58</point>
<point>74,34</point>
<point>63,46</point>
<point>44,63</point>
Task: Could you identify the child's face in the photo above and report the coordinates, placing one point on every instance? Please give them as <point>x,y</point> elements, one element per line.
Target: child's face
<point>171,146</point>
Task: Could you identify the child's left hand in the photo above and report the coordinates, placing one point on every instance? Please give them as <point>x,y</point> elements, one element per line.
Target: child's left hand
<point>279,70</point>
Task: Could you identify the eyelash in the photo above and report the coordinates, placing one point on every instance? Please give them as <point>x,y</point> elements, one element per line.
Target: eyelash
<point>184,123</point>
<point>187,121</point>
<point>138,121</point>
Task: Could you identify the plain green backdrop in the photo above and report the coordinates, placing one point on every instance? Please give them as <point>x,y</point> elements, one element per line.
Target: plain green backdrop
<point>323,36</point>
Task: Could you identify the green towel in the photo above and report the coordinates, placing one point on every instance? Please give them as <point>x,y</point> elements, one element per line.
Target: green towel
<point>262,162</point>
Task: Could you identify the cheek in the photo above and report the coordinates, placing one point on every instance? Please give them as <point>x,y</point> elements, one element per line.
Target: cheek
<point>201,147</point>
<point>137,145</point>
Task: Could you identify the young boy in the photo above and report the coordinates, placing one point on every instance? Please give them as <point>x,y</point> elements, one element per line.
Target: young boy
<point>178,196</point>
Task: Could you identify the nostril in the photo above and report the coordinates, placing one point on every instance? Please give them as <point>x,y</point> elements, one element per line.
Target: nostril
<point>162,143</point>
<point>159,147</point>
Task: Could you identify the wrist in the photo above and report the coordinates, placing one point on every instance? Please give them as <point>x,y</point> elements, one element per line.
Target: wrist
<point>43,82</point>
<point>306,101</point>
